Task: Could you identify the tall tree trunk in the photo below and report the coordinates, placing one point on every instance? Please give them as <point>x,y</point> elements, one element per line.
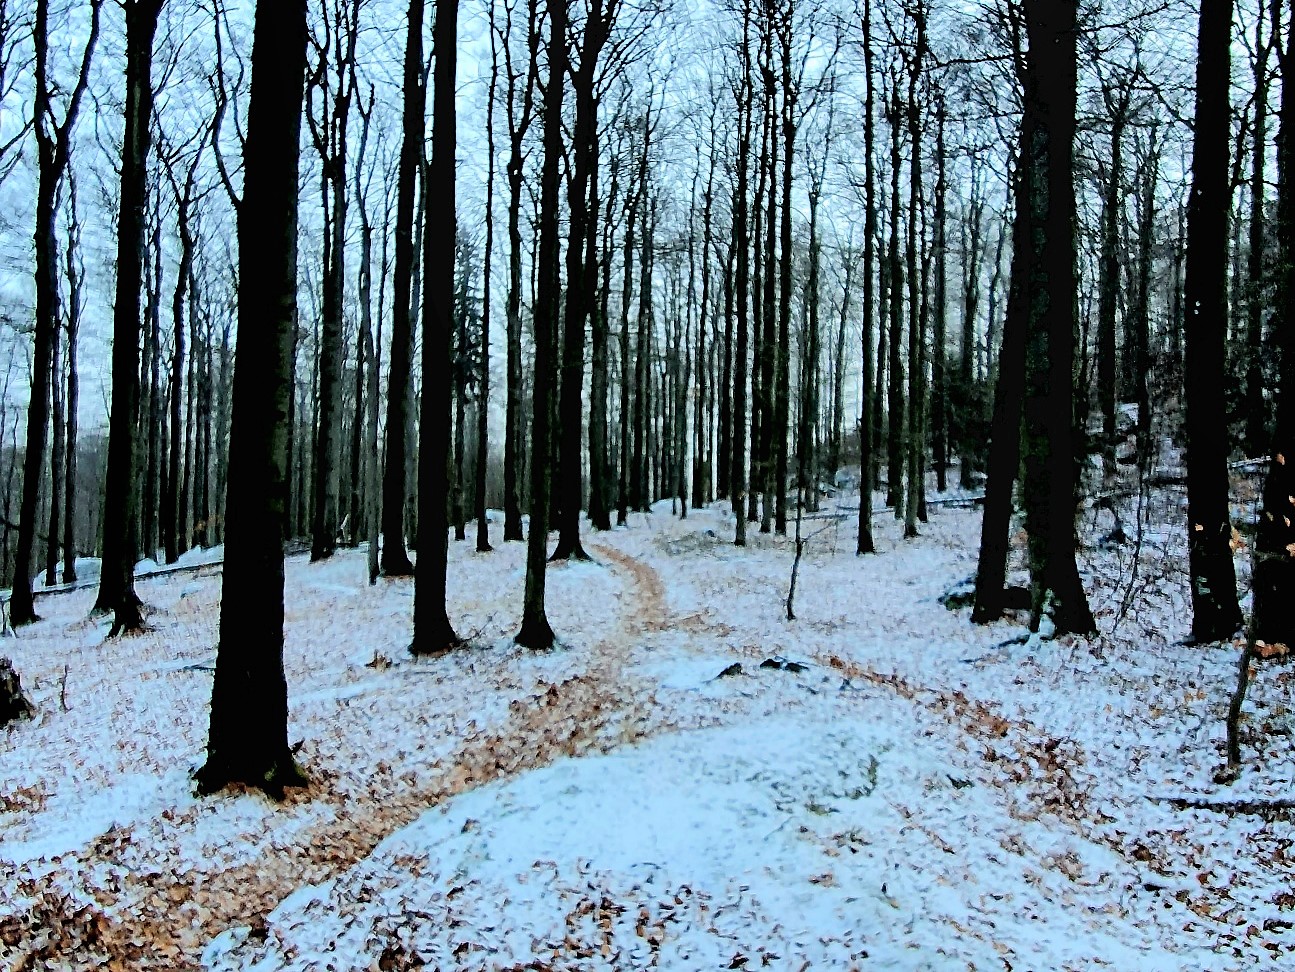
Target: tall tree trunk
<point>433,632</point>
<point>395,559</point>
<point>640,482</point>
<point>1009,396</point>
<point>600,493</point>
<point>973,394</point>
<point>248,739</point>
<point>740,278</point>
<point>1109,280</point>
<point>57,460</point>
<point>75,275</point>
<point>782,378</point>
<point>459,362</point>
<point>770,371</point>
<point>536,633</point>
<point>939,359</point>
<point>579,293</point>
<point>895,438</point>
<point>914,432</point>
<point>1215,612</point>
<point>1274,568</point>
<point>173,529</point>
<point>1256,413</point>
<point>1140,319</point>
<point>483,398</point>
<point>628,422</point>
<point>869,398</point>
<point>1049,466</point>
<point>330,142</point>
<point>151,422</point>
<point>53,149</point>
<point>120,542</point>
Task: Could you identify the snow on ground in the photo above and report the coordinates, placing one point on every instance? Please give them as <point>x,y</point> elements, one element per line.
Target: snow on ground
<point>921,794</point>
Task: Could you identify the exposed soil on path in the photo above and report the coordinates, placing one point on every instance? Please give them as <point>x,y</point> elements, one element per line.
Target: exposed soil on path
<point>155,911</point>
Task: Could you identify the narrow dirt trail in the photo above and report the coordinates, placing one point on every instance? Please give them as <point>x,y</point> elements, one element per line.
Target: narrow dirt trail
<point>160,916</point>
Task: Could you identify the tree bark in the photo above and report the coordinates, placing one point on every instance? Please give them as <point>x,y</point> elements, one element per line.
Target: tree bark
<point>536,633</point>
<point>53,150</point>
<point>395,559</point>
<point>433,633</point>
<point>120,541</point>
<point>1274,567</point>
<point>248,738</point>
<point>1215,612</point>
<point>1049,357</point>
<point>870,403</point>
<point>75,274</point>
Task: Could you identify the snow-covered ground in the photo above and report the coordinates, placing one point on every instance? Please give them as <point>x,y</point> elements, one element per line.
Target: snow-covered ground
<point>895,789</point>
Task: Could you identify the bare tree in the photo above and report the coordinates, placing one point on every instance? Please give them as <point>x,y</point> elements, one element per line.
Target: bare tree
<point>248,737</point>
<point>1215,612</point>
<point>120,536</point>
<point>53,151</point>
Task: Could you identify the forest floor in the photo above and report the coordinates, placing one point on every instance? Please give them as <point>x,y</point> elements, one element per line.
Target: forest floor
<point>689,782</point>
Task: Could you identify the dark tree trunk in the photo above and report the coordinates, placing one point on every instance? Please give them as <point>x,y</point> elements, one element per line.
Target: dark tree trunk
<point>1255,411</point>
<point>870,401</point>
<point>895,438</point>
<point>518,125</point>
<point>151,421</point>
<point>75,275</point>
<point>184,522</point>
<point>760,413</point>
<point>173,528</point>
<point>1140,320</point>
<point>433,632</point>
<point>701,478</point>
<point>330,143</point>
<point>600,493</point>
<point>248,740</point>
<point>53,149</point>
<point>57,461</point>
<point>724,458</point>
<point>1274,567</point>
<point>1049,483</point>
<point>914,432</point>
<point>1009,396</point>
<point>740,280</point>
<point>483,398</point>
<point>1108,284</point>
<point>1215,612</point>
<point>395,559</point>
<point>460,364</point>
<point>120,542</point>
<point>939,359</point>
<point>782,377</point>
<point>536,633</point>
<point>770,370</point>
<point>581,188</point>
<point>628,422</point>
<point>970,445</point>
<point>640,482</point>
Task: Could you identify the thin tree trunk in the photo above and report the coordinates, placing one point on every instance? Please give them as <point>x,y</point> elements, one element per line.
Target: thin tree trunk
<point>120,541</point>
<point>536,633</point>
<point>57,461</point>
<point>75,274</point>
<point>870,398</point>
<point>395,559</point>
<point>53,153</point>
